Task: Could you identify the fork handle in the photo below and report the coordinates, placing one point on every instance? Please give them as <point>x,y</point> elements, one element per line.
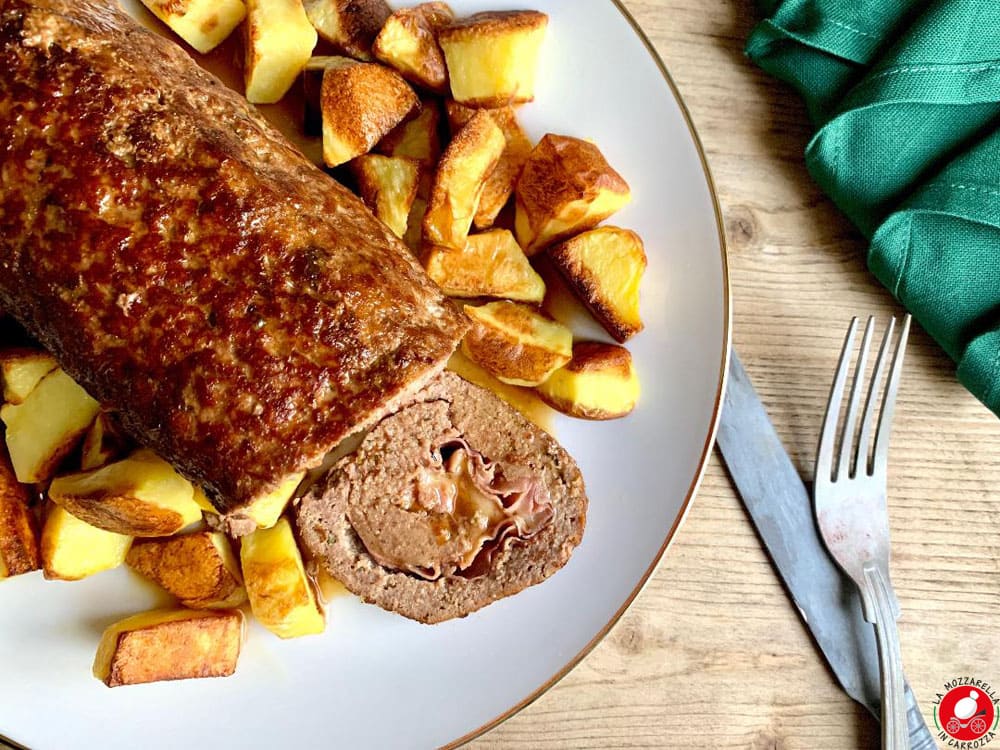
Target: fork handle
<point>894,730</point>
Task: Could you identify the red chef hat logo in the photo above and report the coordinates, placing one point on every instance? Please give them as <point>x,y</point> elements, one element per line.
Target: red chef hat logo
<point>966,712</point>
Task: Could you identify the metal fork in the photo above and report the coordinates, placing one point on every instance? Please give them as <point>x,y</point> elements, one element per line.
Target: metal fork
<point>849,493</point>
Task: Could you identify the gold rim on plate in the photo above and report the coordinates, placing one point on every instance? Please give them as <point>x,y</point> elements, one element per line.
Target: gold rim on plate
<point>6,742</point>
<point>727,313</point>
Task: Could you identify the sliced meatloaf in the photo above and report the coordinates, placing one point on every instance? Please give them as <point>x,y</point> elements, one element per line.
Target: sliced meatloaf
<point>452,502</point>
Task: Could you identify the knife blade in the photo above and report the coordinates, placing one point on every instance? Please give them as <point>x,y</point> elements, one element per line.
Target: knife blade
<point>781,509</point>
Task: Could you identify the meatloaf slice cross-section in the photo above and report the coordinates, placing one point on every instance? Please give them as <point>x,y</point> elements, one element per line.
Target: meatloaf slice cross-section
<point>447,505</point>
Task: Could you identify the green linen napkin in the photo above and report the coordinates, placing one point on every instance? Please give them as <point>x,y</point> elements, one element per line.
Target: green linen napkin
<point>905,95</point>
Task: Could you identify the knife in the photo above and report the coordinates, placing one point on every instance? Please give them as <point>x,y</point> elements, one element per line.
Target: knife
<point>781,508</point>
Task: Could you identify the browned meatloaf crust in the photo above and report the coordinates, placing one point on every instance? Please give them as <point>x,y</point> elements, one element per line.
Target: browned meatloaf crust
<point>448,405</point>
<point>241,310</point>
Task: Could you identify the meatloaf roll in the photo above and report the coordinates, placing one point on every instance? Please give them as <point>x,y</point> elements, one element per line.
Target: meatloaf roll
<point>240,310</point>
<point>449,504</point>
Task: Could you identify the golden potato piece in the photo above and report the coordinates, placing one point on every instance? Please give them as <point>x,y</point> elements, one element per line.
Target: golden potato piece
<point>460,180</point>
<point>416,138</point>
<point>204,24</point>
<point>491,264</point>
<point>72,549</point>
<point>140,495</point>
<point>516,344</point>
<point>598,383</point>
<point>388,186</point>
<point>604,267</point>
<point>566,187</point>
<point>500,184</point>
<point>361,103</point>
<point>408,42</point>
<point>278,41</point>
<point>21,370</point>
<point>44,428</point>
<point>19,551</point>
<point>265,511</point>
<point>492,57</point>
<point>281,595</point>
<point>169,644</point>
<point>349,25</point>
<point>103,443</point>
<point>199,569</point>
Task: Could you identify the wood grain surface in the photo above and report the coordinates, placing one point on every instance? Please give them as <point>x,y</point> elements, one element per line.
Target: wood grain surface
<point>712,654</point>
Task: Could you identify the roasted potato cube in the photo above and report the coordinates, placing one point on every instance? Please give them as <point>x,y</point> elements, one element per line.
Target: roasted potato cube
<point>500,184</point>
<point>199,569</point>
<point>491,264</point>
<point>47,425</point>
<point>492,57</point>
<point>515,343</point>
<point>604,267</point>
<point>169,644</point>
<point>278,43</point>
<point>140,495</point>
<point>103,443</point>
<point>416,138</point>
<point>281,595</point>
<point>73,549</point>
<point>598,383</point>
<point>203,24</point>
<point>388,186</point>
<point>408,42</point>
<point>566,187</point>
<point>461,177</point>
<point>349,25</point>
<point>361,103</point>
<point>265,511</point>
<point>21,370</point>
<point>18,532</point>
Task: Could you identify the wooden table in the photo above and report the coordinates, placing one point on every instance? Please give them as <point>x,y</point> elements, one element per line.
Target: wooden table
<point>712,654</point>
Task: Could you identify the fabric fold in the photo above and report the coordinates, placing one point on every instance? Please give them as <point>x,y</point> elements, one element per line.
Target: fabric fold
<point>939,254</point>
<point>931,94</point>
<point>823,47</point>
<point>908,146</point>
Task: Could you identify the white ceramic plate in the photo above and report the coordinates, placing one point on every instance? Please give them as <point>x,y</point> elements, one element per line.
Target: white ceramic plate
<point>378,680</point>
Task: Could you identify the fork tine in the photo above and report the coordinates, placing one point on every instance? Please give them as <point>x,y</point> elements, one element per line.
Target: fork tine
<point>880,457</point>
<point>824,454</point>
<point>868,418</point>
<point>850,419</point>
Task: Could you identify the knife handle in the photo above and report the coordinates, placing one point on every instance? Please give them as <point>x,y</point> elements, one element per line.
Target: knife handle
<point>920,733</point>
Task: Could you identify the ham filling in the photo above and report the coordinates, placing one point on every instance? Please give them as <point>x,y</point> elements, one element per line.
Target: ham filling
<point>454,514</point>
